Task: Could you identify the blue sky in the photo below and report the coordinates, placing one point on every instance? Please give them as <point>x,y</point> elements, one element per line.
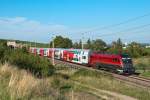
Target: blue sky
<point>34,19</point>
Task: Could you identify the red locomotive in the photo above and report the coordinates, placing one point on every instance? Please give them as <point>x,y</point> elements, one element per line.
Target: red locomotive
<point>120,63</point>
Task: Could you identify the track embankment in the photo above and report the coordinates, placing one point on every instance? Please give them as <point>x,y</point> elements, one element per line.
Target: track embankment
<point>131,79</point>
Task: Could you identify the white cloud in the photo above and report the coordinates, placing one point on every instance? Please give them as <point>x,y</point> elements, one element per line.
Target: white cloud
<point>23,28</point>
<point>23,25</point>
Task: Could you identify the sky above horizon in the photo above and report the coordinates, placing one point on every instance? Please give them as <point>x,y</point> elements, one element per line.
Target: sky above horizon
<point>39,20</point>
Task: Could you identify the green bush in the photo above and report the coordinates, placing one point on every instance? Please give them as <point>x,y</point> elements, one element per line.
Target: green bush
<point>3,48</point>
<point>35,64</point>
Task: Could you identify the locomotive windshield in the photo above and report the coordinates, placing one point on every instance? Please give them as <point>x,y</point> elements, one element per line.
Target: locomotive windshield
<point>126,59</point>
<point>127,64</point>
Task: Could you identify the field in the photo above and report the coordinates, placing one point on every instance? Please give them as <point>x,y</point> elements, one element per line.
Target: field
<point>142,65</point>
<point>65,84</point>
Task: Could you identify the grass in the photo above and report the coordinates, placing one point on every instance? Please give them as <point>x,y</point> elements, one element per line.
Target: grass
<point>4,93</point>
<point>65,84</point>
<point>146,74</point>
<point>142,66</point>
<point>100,81</point>
<point>18,84</point>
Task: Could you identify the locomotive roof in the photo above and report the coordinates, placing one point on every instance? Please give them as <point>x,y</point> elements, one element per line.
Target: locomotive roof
<point>110,55</point>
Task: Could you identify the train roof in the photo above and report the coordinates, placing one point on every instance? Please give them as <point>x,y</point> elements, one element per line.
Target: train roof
<point>63,49</point>
<point>111,55</point>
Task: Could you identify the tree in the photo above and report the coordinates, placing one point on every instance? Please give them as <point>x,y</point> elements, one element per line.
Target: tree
<point>119,45</point>
<point>61,42</point>
<point>134,49</point>
<point>88,44</point>
<point>98,45</point>
<point>116,47</point>
<point>76,45</point>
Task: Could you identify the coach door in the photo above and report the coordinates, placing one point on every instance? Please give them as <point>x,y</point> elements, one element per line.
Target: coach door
<point>84,57</point>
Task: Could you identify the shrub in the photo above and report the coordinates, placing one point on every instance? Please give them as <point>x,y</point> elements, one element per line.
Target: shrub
<point>35,64</point>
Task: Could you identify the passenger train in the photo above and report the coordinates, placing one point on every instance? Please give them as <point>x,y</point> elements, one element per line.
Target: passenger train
<point>120,63</point>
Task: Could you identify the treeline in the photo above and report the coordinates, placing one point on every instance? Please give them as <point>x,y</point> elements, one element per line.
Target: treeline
<point>38,66</point>
<point>134,49</point>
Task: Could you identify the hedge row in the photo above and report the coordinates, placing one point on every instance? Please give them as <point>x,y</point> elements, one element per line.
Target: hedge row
<point>35,64</point>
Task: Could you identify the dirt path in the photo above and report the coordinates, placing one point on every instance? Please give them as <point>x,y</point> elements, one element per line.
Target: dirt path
<point>105,94</point>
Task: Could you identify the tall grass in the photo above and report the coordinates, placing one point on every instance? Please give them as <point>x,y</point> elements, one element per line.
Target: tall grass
<point>18,84</point>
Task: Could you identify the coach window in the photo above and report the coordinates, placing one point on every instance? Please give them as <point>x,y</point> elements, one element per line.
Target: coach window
<point>83,57</point>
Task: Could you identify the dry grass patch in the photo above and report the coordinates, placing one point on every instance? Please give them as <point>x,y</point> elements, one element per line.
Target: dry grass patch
<point>22,84</point>
<point>17,84</point>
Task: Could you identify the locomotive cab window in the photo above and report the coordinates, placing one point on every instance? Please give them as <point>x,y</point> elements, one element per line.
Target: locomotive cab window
<point>115,60</point>
<point>127,60</point>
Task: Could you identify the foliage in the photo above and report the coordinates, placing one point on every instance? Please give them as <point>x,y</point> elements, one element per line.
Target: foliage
<point>20,57</point>
<point>142,65</point>
<point>3,47</point>
<point>116,47</point>
<point>146,52</point>
<point>2,50</point>
<point>61,42</point>
<point>38,66</point>
<point>146,74</point>
<point>77,45</point>
<point>135,50</point>
<point>96,45</point>
<point>88,44</point>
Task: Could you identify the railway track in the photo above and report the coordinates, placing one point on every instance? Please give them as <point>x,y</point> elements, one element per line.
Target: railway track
<point>135,80</point>
<point>132,79</point>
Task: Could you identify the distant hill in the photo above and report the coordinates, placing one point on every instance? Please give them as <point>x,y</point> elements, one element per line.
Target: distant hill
<point>44,45</point>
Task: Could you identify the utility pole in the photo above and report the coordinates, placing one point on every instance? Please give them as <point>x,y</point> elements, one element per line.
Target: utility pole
<point>82,41</point>
<point>49,44</point>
